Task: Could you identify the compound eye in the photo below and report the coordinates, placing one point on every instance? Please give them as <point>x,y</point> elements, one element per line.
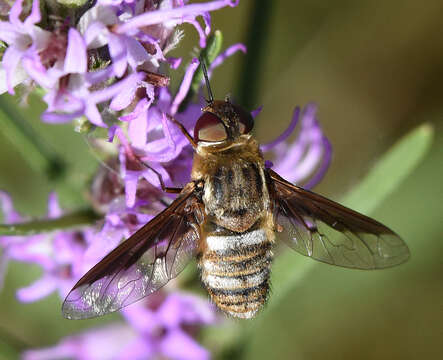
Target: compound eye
<point>210,128</point>
<point>246,120</point>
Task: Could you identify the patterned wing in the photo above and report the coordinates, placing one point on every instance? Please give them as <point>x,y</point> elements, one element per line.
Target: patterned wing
<point>142,264</point>
<point>329,232</point>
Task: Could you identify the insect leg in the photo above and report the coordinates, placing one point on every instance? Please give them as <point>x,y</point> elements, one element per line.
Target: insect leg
<point>183,130</point>
<point>162,184</point>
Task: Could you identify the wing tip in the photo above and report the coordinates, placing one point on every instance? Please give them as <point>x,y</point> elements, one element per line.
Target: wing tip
<point>75,309</point>
<point>70,312</point>
<point>395,260</point>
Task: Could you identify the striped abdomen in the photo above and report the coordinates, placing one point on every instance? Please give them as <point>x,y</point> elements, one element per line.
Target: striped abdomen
<point>235,270</point>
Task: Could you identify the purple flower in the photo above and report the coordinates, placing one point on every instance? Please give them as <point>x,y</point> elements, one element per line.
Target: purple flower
<point>102,69</point>
<point>59,254</point>
<point>73,98</point>
<point>161,326</point>
<point>89,69</point>
<point>25,40</point>
<point>186,13</point>
<point>306,159</point>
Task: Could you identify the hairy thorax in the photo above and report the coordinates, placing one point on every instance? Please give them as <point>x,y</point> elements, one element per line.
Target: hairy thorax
<point>235,192</point>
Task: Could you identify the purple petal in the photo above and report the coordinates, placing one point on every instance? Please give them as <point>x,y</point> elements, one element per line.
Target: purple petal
<point>141,318</point>
<point>124,91</point>
<point>138,126</point>
<point>117,50</point>
<point>54,209</point>
<point>18,77</point>
<point>10,61</point>
<point>131,180</point>
<point>96,34</point>
<point>178,345</point>
<point>144,37</point>
<point>179,308</point>
<point>75,60</point>
<point>9,213</point>
<point>111,133</point>
<point>39,289</point>
<point>308,157</point>
<point>160,156</point>
<point>126,148</point>
<point>152,178</point>
<point>227,53</point>
<point>40,39</point>
<point>207,20</point>
<point>32,249</point>
<point>64,350</point>
<point>326,161</point>
<point>167,132</point>
<point>93,115</point>
<point>34,17</point>
<point>287,157</point>
<point>174,62</point>
<point>285,134</point>
<point>160,16</point>
<point>140,110</point>
<point>117,89</point>
<point>184,87</point>
<point>137,54</point>
<point>310,161</point>
<point>39,74</point>
<point>95,77</point>
<point>61,99</point>
<point>9,34</point>
<point>141,348</point>
<point>60,118</point>
<point>200,31</point>
<point>14,13</point>
<point>104,242</point>
<point>101,343</point>
<point>257,111</point>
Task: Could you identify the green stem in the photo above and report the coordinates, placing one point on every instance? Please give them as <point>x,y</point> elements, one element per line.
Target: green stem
<point>209,53</point>
<point>75,219</point>
<point>39,156</point>
<point>256,43</point>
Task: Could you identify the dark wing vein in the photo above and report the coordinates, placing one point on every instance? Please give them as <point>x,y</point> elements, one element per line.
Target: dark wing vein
<point>331,233</point>
<point>142,264</point>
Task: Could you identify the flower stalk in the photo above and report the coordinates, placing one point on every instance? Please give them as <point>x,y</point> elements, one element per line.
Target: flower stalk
<point>209,53</point>
<point>74,220</point>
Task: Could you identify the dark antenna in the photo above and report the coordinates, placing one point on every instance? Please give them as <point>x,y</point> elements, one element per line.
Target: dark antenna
<point>205,74</point>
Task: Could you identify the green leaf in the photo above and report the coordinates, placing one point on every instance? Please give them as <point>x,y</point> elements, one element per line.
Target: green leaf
<point>73,220</point>
<point>391,170</point>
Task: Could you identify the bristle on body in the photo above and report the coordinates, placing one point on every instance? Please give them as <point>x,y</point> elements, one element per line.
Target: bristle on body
<point>235,270</point>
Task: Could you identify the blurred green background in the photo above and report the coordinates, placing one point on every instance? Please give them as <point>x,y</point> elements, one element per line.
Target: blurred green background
<point>375,69</point>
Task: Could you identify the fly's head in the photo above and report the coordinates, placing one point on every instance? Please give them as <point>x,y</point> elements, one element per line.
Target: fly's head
<point>222,125</point>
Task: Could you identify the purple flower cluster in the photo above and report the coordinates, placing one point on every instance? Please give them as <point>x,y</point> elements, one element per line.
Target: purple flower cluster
<point>106,66</point>
<point>156,328</point>
<point>108,58</point>
<point>160,325</point>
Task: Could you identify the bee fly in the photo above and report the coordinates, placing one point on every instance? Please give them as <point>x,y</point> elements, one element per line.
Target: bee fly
<point>227,217</point>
